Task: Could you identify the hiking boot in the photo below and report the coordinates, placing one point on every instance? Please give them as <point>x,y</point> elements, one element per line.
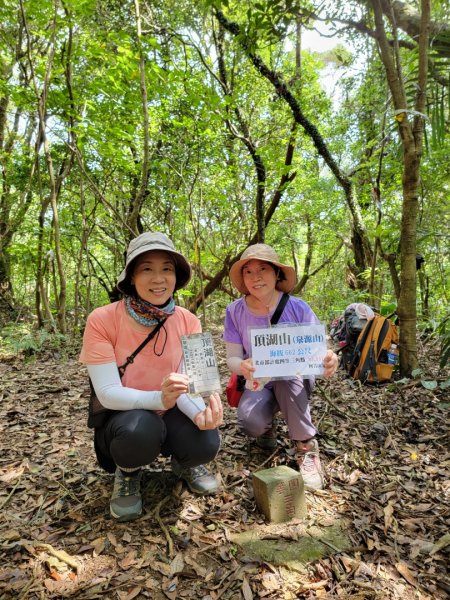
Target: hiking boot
<point>308,460</point>
<point>268,440</point>
<point>198,479</point>
<point>126,501</point>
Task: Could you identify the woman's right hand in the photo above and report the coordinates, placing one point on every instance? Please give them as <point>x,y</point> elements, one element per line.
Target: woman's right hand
<point>212,416</point>
<point>172,386</point>
<point>247,368</point>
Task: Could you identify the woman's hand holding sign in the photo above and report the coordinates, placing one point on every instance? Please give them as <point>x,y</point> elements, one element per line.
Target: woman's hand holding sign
<point>247,368</point>
<point>212,416</point>
<point>330,363</point>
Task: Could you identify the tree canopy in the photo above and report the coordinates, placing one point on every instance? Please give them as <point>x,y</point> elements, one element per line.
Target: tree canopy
<point>209,121</point>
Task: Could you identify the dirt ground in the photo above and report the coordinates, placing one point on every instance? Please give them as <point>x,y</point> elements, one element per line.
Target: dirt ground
<point>387,459</point>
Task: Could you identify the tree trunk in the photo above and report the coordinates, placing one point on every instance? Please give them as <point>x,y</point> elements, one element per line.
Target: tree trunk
<point>407,18</point>
<point>407,302</point>
<point>411,134</point>
<point>43,311</point>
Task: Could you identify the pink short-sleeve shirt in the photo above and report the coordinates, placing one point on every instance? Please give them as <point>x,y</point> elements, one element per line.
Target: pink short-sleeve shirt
<point>111,335</point>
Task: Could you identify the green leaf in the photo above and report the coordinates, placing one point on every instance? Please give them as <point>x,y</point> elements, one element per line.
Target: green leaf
<point>429,385</point>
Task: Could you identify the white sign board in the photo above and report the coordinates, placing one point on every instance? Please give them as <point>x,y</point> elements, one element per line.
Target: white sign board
<point>200,362</point>
<point>288,350</point>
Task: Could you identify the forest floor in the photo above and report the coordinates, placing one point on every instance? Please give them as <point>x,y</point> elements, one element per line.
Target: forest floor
<point>380,528</point>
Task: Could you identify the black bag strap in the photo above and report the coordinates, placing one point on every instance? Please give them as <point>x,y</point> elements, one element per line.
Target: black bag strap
<point>132,356</point>
<point>359,346</point>
<point>369,366</point>
<point>279,309</point>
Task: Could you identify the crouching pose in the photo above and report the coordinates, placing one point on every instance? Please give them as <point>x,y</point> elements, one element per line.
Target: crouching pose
<point>263,279</point>
<point>148,410</point>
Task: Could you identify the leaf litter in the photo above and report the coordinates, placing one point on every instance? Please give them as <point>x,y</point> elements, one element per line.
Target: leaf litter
<point>387,459</point>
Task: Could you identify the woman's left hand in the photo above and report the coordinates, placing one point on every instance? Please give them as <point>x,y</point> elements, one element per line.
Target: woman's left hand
<point>330,363</point>
<point>212,416</point>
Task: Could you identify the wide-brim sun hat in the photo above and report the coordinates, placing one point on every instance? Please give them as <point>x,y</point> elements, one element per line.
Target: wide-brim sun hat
<point>267,254</point>
<point>154,241</point>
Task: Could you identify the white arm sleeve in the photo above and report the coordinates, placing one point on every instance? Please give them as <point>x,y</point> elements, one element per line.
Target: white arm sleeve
<point>235,355</point>
<point>189,404</point>
<point>113,395</point>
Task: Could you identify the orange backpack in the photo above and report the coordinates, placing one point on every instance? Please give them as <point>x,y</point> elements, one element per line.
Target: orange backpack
<point>375,356</point>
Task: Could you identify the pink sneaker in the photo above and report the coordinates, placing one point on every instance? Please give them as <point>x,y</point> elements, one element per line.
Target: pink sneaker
<point>308,460</point>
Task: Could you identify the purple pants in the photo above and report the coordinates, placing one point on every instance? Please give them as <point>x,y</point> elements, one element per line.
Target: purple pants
<point>288,396</point>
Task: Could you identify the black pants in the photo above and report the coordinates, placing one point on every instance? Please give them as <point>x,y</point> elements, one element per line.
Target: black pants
<point>135,438</point>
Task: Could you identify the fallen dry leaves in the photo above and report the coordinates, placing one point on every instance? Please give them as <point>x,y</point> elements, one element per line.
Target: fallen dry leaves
<point>387,462</point>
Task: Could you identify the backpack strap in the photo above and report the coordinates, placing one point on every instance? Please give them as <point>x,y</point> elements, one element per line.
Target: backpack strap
<point>133,355</point>
<point>379,334</point>
<point>359,346</point>
<point>279,309</point>
<point>377,337</point>
<point>369,365</point>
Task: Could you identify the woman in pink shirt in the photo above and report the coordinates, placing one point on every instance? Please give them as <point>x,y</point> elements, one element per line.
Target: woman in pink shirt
<point>141,407</point>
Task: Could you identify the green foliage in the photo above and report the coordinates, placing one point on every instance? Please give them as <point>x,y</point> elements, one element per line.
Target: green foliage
<point>20,339</point>
<point>428,384</point>
<point>443,330</point>
<point>203,140</point>
<point>387,308</point>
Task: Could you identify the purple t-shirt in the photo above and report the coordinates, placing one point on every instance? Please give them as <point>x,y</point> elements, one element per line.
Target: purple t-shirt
<point>238,318</point>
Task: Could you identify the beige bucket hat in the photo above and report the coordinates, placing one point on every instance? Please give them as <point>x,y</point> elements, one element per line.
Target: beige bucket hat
<point>267,254</point>
<point>154,241</point>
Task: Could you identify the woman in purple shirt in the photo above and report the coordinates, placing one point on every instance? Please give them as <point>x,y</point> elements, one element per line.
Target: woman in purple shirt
<point>262,278</point>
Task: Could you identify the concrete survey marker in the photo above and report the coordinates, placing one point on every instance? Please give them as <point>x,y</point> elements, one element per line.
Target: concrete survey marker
<point>279,494</point>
